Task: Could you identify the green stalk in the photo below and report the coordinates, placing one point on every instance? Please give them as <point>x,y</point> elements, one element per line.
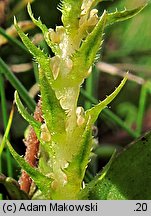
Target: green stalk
<point>17,85</point>
<point>141,109</point>
<point>35,67</point>
<point>5,120</point>
<point>13,41</point>
<point>110,115</point>
<point>89,90</point>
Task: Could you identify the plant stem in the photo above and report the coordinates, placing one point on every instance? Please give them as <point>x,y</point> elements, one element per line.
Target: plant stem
<point>110,115</point>
<point>13,41</point>
<point>88,89</point>
<point>5,120</point>
<point>17,85</point>
<point>35,67</point>
<point>141,109</point>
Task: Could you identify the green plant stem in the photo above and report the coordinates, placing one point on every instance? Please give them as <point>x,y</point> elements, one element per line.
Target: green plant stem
<point>88,89</point>
<point>110,115</point>
<point>5,120</point>
<point>13,41</point>
<point>35,67</point>
<point>17,85</point>
<point>141,109</point>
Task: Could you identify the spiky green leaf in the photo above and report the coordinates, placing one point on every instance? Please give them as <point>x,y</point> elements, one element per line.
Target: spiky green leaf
<point>118,16</point>
<point>38,54</point>
<point>95,111</point>
<point>43,182</point>
<point>45,31</point>
<point>53,113</point>
<point>88,50</point>
<point>84,194</point>
<point>29,118</point>
<point>80,160</point>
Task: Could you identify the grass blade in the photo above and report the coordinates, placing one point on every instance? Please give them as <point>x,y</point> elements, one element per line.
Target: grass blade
<point>5,137</point>
<point>5,119</point>
<point>14,41</point>
<point>17,85</point>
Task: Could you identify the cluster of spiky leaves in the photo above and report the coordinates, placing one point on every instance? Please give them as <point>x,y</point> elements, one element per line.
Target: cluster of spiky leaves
<point>65,136</point>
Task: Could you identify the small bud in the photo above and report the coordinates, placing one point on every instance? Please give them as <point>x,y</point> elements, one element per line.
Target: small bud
<point>80,120</point>
<point>54,185</point>
<point>55,66</point>
<point>64,179</point>
<point>80,116</point>
<point>69,63</point>
<point>80,111</point>
<point>56,36</point>
<point>93,12</point>
<point>60,32</point>
<point>53,36</point>
<point>45,134</point>
<point>93,17</point>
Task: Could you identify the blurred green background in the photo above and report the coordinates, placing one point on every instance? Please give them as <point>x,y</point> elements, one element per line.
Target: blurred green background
<point>127,47</point>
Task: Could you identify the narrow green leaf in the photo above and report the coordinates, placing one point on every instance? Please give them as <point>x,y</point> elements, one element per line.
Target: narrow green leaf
<point>13,41</point>
<point>36,52</point>
<point>5,121</point>
<point>78,164</point>
<point>53,113</point>
<point>110,116</point>
<point>118,16</point>
<point>41,58</point>
<point>17,85</point>
<point>44,30</point>
<point>84,194</point>
<point>5,137</point>
<point>88,50</point>
<point>129,176</point>
<point>30,119</point>
<point>95,111</point>
<point>43,182</point>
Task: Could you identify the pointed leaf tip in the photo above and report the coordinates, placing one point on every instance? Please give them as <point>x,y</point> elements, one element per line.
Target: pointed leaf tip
<point>44,29</point>
<point>119,16</point>
<point>95,111</point>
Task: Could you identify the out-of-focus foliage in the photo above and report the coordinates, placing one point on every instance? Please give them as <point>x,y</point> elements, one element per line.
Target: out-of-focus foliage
<point>131,38</point>
<point>128,42</point>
